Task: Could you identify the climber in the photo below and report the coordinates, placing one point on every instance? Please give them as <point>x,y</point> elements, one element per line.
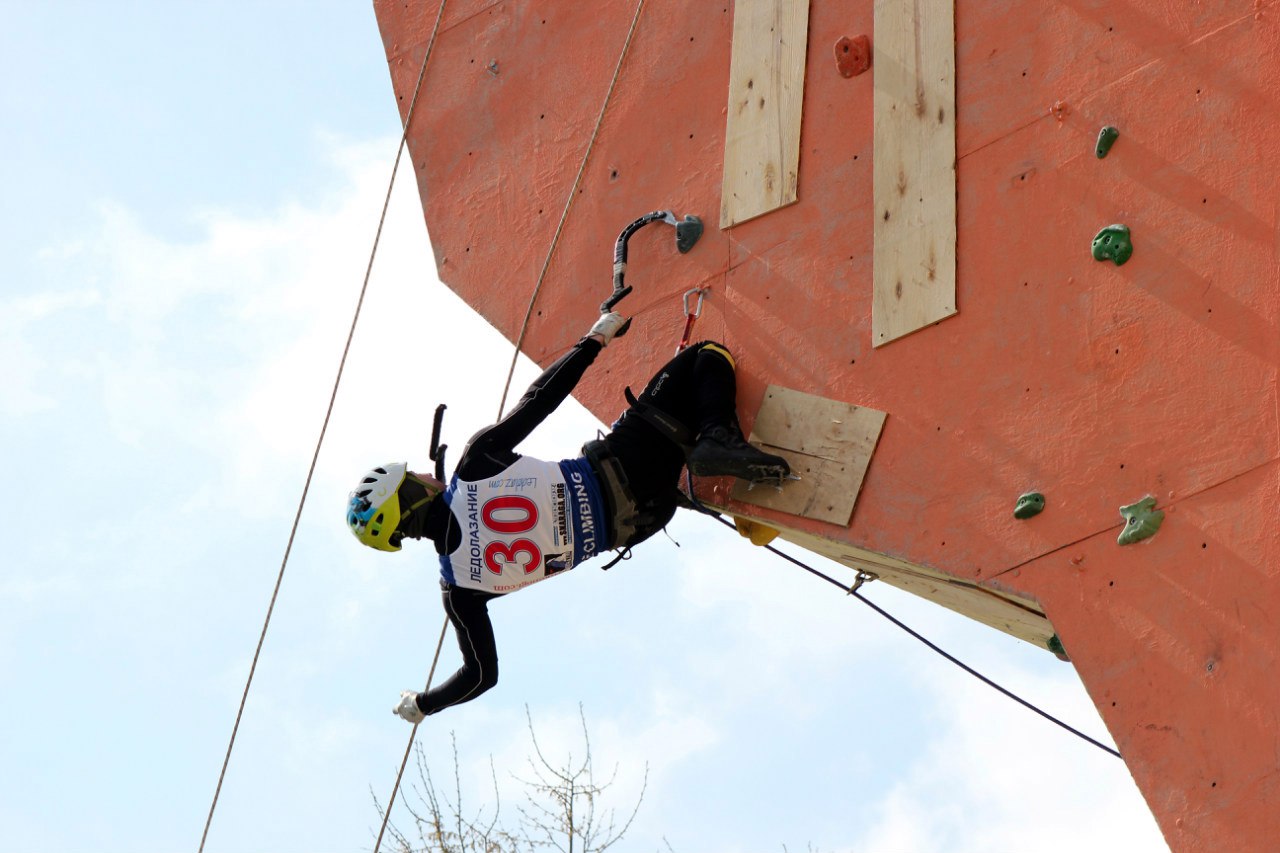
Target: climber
<point>506,521</point>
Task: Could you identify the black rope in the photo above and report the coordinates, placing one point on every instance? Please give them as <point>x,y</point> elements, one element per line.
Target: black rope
<point>984,679</point>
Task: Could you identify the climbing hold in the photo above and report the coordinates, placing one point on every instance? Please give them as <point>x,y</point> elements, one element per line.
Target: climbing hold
<point>1032,503</point>
<point>853,55</point>
<point>1113,244</point>
<point>1055,645</point>
<point>1106,138</point>
<point>688,231</point>
<point>1142,520</point>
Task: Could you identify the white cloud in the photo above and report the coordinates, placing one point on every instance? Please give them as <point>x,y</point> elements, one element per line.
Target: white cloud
<point>30,590</point>
<point>995,777</point>
<point>24,320</point>
<point>228,345</point>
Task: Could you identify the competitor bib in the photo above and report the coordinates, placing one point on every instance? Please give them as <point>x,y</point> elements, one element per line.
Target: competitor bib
<point>531,521</point>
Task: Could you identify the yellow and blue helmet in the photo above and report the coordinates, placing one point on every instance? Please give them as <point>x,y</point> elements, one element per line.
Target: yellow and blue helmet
<point>373,507</point>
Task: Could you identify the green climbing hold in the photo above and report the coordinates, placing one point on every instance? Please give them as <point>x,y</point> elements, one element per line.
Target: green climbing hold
<point>1106,138</point>
<point>1032,503</point>
<point>1142,520</point>
<point>1113,244</point>
<point>1055,645</point>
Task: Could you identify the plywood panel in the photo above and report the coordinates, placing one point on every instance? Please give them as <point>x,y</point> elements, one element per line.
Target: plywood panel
<point>828,443</point>
<point>915,174</point>
<point>1012,614</point>
<point>1016,617</point>
<point>766,90</point>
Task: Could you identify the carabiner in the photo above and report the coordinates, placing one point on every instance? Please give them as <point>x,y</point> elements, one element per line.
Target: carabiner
<point>690,316</point>
<point>697,311</point>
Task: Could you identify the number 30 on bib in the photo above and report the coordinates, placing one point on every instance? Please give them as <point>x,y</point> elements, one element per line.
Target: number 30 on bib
<point>511,515</point>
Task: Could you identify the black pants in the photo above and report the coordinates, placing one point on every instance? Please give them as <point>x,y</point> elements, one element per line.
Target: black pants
<point>468,611</point>
<point>698,388</point>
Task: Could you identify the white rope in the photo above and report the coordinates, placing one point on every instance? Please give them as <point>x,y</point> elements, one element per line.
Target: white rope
<point>320,441</point>
<point>395,789</point>
<point>515,356</point>
<point>573,193</point>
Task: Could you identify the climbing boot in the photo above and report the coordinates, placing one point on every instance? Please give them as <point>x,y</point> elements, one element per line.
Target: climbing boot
<point>722,452</point>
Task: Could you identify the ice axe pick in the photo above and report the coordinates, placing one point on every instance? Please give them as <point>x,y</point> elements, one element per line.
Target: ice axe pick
<point>688,230</point>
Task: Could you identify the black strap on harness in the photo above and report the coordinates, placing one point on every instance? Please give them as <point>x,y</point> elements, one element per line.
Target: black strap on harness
<point>621,505</point>
<point>661,421</point>
<point>623,554</point>
<point>630,521</point>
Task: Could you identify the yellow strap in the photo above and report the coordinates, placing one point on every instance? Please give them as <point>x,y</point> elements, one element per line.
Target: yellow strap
<point>759,534</point>
<point>719,350</point>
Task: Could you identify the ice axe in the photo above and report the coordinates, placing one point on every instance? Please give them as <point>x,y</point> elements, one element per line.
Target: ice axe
<point>688,230</point>
<point>436,454</point>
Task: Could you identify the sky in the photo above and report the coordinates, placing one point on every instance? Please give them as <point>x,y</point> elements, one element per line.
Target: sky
<point>191,193</point>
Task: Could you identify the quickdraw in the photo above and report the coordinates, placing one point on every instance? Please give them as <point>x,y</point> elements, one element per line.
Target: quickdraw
<point>862,577</point>
<point>691,315</point>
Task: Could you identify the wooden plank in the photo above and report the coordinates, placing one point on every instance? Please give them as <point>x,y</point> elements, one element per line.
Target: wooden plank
<point>970,599</point>
<point>1014,615</point>
<point>828,443</point>
<point>766,91</point>
<point>915,167</point>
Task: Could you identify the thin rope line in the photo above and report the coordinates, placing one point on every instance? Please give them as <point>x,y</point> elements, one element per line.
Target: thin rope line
<point>935,647</point>
<point>395,789</point>
<point>564,215</point>
<point>306,488</point>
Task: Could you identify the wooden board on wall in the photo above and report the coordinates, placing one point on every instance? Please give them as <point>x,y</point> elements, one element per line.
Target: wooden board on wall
<point>1015,615</point>
<point>915,167</point>
<point>828,443</point>
<point>766,91</point>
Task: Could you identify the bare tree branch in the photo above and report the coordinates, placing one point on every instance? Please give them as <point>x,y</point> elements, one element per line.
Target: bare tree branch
<point>565,808</point>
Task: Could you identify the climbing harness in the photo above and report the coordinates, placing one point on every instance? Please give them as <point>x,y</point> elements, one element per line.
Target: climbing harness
<point>620,506</point>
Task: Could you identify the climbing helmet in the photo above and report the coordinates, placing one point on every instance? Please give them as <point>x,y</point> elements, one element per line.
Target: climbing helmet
<point>373,507</point>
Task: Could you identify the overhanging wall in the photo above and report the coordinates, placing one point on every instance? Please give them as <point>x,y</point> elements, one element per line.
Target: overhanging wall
<point>1094,384</point>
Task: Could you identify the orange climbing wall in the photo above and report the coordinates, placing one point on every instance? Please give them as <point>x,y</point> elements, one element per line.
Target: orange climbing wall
<point>1094,384</point>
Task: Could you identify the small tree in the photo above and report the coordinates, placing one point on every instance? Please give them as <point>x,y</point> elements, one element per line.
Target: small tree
<point>564,808</point>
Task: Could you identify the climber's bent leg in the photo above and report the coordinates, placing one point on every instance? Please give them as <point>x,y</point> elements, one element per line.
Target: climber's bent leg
<point>691,402</point>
